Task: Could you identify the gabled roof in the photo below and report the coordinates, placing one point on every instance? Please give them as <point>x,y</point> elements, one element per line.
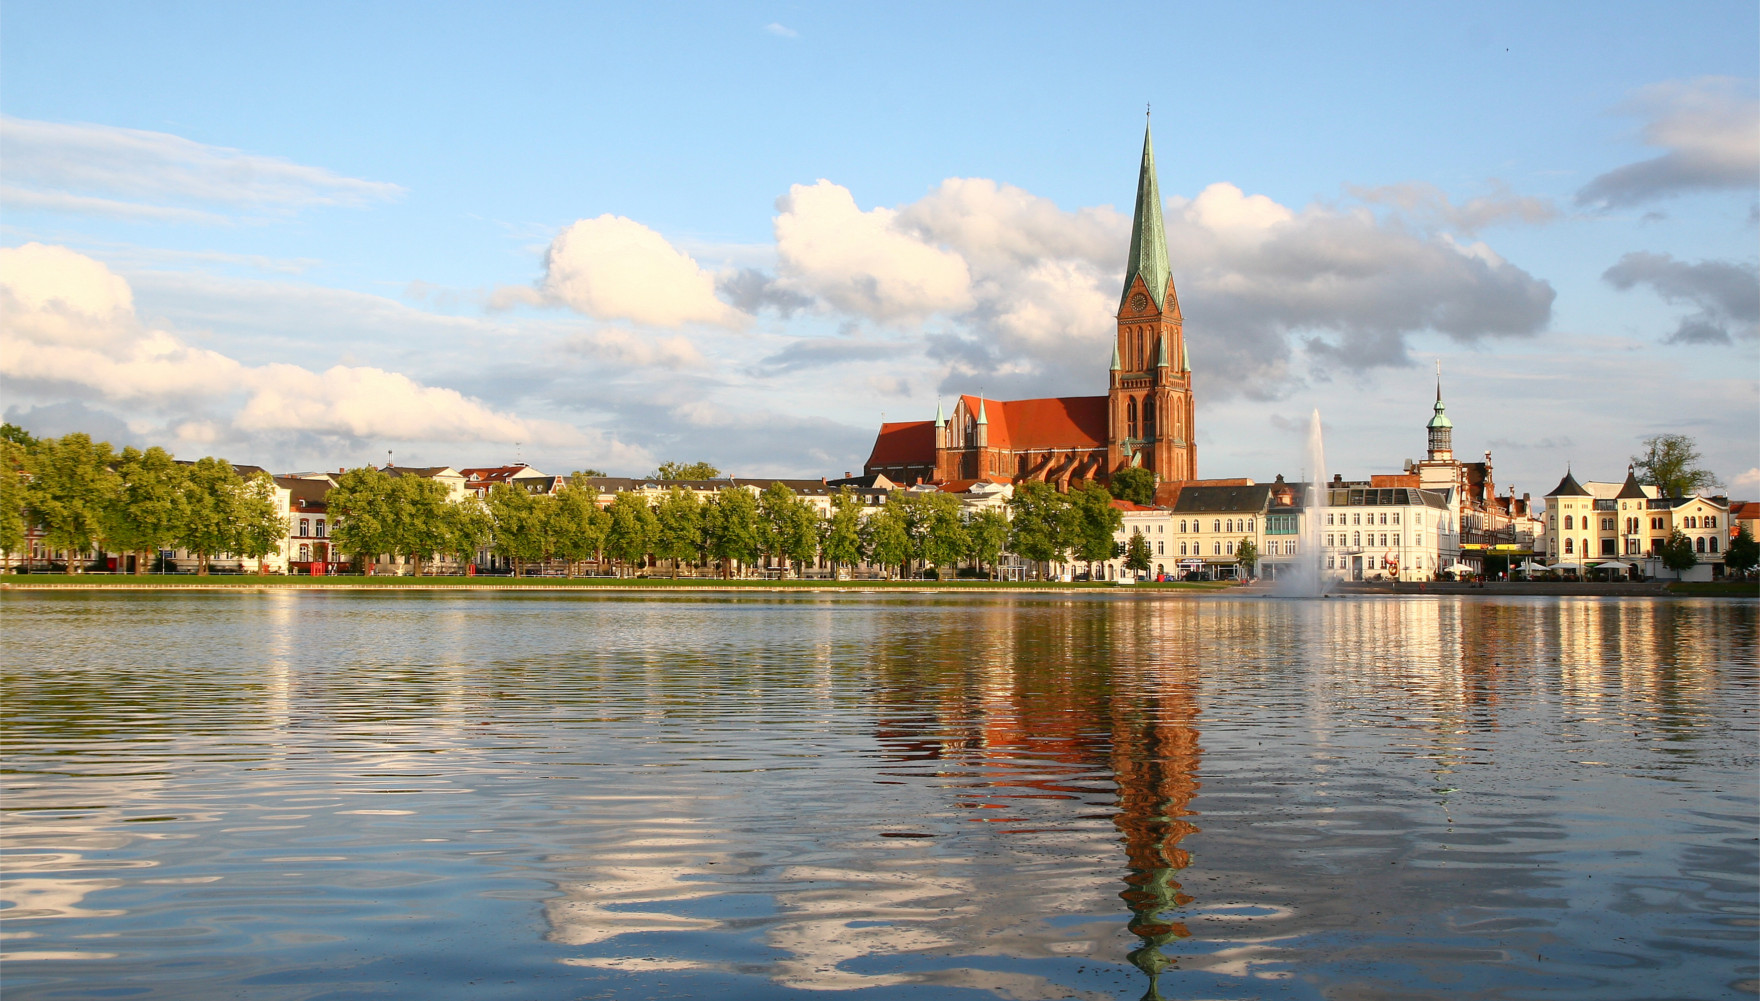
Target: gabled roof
<point>1203,499</point>
<point>499,474</point>
<point>1568,487</point>
<point>1055,422</point>
<point>904,443</point>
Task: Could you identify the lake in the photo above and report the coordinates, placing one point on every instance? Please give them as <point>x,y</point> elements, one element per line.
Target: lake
<point>340,795</point>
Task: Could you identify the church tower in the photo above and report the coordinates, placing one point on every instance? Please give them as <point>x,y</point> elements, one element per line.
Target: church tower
<point>1149,398</point>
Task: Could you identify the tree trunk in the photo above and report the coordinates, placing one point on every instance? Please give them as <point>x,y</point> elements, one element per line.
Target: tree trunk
<point>201,564</point>
<point>140,562</point>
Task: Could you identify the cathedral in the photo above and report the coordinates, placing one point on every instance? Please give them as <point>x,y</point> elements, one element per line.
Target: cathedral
<point>1145,418</point>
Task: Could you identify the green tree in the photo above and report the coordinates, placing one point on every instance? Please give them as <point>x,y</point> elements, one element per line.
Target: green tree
<point>1743,552</point>
<point>987,536</point>
<point>1136,554</point>
<point>787,526</point>
<point>1677,552</point>
<point>630,536</point>
<point>578,527</point>
<point>18,436</point>
<point>468,527</point>
<point>1096,521</point>
<point>685,471</point>
<point>731,526</point>
<point>258,525</point>
<point>679,527</point>
<point>149,504</point>
<point>889,537</point>
<point>1247,553</point>
<point>1670,462</point>
<point>519,525</point>
<point>363,515</point>
<point>1134,484</point>
<point>13,459</point>
<point>1039,530</point>
<point>944,530</point>
<point>841,534</point>
<point>417,506</point>
<point>71,489</point>
<point>211,502</point>
<point>575,478</point>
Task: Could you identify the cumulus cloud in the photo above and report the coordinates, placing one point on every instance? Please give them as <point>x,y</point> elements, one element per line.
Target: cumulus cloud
<point>1430,204</point>
<point>70,325</point>
<point>1709,130</point>
<point>1030,288</point>
<point>613,268</point>
<point>864,263</point>
<point>131,173</point>
<point>622,347</point>
<point>1725,295</point>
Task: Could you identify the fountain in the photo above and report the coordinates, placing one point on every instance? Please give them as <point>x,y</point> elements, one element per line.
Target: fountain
<point>1305,578</point>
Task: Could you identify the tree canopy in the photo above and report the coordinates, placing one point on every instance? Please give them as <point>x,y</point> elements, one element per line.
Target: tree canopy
<point>1743,552</point>
<point>698,470</point>
<point>1677,552</point>
<point>1671,463</point>
<point>1134,484</point>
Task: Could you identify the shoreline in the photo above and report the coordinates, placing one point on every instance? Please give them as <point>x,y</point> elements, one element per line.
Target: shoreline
<point>1652,589</point>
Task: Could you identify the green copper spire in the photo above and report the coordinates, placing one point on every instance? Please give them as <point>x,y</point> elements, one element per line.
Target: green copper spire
<point>1148,235</point>
<point>940,421</point>
<point>1117,366</point>
<point>1161,361</point>
<point>1441,419</point>
<point>982,419</point>
<point>1185,358</point>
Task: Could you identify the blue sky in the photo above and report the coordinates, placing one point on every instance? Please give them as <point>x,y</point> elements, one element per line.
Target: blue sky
<point>308,234</point>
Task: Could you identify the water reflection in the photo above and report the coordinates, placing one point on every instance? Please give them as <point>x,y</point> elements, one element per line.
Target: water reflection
<point>754,797</point>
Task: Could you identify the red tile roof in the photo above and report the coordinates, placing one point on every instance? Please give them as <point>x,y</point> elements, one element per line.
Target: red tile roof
<point>1056,422</point>
<point>1125,505</point>
<point>904,443</point>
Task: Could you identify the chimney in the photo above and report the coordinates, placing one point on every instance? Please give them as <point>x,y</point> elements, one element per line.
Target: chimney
<point>846,474</point>
<point>823,482</point>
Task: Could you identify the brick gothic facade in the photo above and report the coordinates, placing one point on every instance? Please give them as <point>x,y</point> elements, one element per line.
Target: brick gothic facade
<point>1145,419</point>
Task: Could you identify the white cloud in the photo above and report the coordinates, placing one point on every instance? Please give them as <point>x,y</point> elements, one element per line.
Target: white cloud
<point>864,262</point>
<point>781,30</point>
<point>130,173</point>
<point>1749,480</point>
<point>70,322</point>
<point>622,347</point>
<point>1710,130</point>
<point>614,268</point>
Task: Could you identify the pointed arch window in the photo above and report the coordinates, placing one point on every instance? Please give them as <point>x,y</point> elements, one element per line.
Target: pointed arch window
<point>1149,419</point>
<point>1130,417</point>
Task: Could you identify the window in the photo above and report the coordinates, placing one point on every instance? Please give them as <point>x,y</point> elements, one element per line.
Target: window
<point>1160,549</point>
<point>1329,519</point>
<point>1160,529</point>
<point>1711,522</point>
<point>1396,517</point>
<point>1699,544</point>
<point>1216,549</point>
<point>1569,523</point>
<point>1713,542</point>
<point>1230,525</point>
<point>320,528</point>
<point>1289,548</point>
<point>1130,417</point>
<point>1182,525</point>
<point>1656,524</point>
<point>1384,517</point>
<point>1329,540</point>
<point>1357,519</point>
<point>1631,547</point>
<point>1607,524</point>
<point>1249,527</point>
<point>1230,547</point>
<point>1384,540</point>
<point>1216,524</point>
<point>305,553</point>
<point>1356,538</point>
<point>1692,522</point>
<point>1182,549</point>
<point>305,526</point>
<point>1329,563</point>
<point>1567,546</point>
<point>1418,539</point>
<point>1418,519</point>
<point>1396,539</point>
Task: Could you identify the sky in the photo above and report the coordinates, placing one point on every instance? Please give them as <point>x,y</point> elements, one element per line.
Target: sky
<point>309,236</point>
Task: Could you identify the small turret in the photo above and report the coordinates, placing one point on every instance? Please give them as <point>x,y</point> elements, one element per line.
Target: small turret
<point>1440,427</point>
<point>1161,357</point>
<point>1117,366</point>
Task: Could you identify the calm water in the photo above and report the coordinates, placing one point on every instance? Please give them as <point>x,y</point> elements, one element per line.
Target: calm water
<point>516,796</point>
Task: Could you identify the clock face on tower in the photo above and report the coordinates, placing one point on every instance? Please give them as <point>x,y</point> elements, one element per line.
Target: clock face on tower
<point>1139,302</point>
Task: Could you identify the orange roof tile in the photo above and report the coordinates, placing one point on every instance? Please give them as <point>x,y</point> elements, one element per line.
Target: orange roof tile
<point>1055,422</point>
<point>904,443</point>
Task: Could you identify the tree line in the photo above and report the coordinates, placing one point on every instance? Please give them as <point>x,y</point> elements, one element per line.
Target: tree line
<point>86,497</point>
